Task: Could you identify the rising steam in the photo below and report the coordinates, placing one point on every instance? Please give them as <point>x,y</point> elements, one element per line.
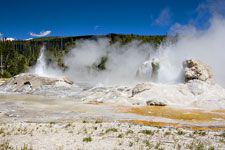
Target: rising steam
<point>123,61</point>
<point>42,69</point>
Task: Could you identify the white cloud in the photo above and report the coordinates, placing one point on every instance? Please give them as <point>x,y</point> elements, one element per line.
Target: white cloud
<point>42,33</point>
<point>164,18</point>
<point>182,29</point>
<point>10,39</point>
<point>97,27</point>
<point>28,39</point>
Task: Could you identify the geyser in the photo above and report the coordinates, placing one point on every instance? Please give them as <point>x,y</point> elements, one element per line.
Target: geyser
<point>41,67</point>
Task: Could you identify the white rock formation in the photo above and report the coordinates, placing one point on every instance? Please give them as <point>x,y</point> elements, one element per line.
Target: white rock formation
<point>195,69</point>
<point>26,82</point>
<point>199,89</point>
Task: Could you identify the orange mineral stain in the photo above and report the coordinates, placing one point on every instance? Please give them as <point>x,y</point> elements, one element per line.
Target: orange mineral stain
<point>195,115</point>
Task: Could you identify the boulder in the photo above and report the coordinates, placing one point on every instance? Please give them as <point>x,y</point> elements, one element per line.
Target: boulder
<point>26,82</point>
<point>154,102</point>
<point>141,87</point>
<point>195,69</point>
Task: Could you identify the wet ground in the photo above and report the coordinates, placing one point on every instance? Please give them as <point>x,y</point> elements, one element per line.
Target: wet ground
<point>36,108</point>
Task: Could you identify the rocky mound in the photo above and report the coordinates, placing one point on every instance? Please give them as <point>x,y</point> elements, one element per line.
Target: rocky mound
<point>195,69</point>
<point>26,82</point>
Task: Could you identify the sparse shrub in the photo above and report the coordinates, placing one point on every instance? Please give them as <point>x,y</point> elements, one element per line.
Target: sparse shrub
<point>211,148</point>
<point>111,130</point>
<point>223,134</point>
<point>25,147</point>
<point>1,131</point>
<point>157,146</point>
<point>147,143</point>
<point>87,139</point>
<point>98,121</point>
<point>202,133</point>
<point>180,132</point>
<point>137,139</point>
<point>196,146</point>
<point>52,123</point>
<point>120,135</point>
<point>148,132</point>
<point>200,146</point>
<point>68,125</point>
<point>101,134</point>
<point>167,133</point>
<point>129,132</point>
<point>131,144</point>
<point>5,146</point>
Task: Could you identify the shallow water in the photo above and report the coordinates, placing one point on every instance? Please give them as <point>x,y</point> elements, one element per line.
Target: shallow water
<point>37,108</point>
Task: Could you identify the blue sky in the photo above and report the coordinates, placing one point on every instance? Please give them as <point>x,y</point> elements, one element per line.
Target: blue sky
<point>18,18</point>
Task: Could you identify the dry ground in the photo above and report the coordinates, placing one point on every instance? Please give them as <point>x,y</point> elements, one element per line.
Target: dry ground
<point>105,135</point>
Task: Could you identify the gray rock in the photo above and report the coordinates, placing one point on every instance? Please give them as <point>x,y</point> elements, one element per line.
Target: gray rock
<point>141,87</point>
<point>154,102</point>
